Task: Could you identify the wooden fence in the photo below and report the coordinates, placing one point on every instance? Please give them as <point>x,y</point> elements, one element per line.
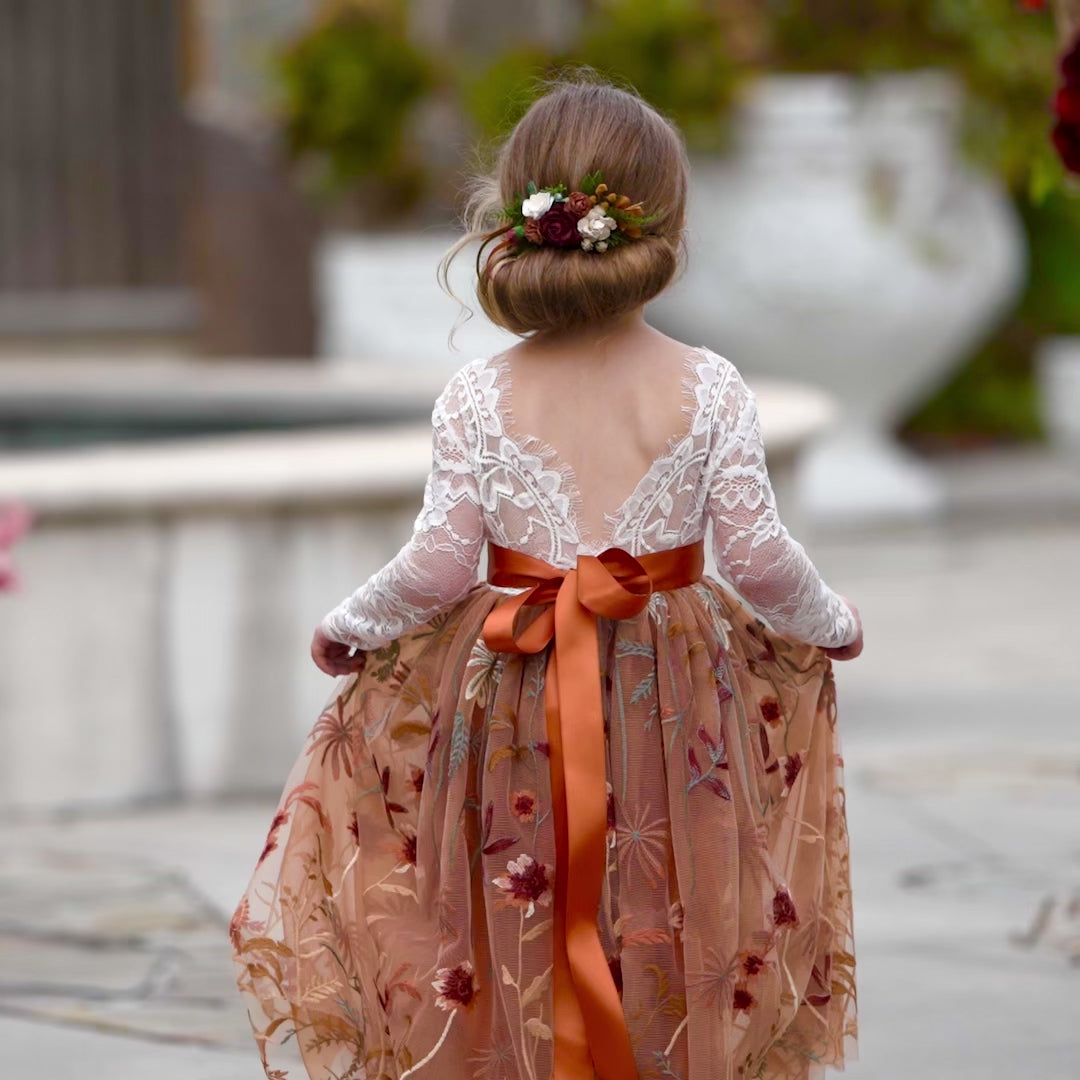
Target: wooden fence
<point>93,165</point>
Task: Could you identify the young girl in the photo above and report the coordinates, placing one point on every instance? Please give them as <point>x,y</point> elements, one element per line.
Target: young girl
<point>586,818</point>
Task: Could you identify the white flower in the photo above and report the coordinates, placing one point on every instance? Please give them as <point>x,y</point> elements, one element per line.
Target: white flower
<point>596,225</point>
<point>536,206</point>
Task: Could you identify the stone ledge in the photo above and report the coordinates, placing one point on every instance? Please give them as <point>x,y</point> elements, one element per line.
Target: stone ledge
<point>278,467</point>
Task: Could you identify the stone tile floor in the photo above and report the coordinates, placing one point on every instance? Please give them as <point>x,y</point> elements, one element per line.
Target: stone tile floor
<point>961,731</point>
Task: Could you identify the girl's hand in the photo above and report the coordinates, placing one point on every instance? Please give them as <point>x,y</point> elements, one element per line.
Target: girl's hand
<point>333,657</point>
<point>848,652</point>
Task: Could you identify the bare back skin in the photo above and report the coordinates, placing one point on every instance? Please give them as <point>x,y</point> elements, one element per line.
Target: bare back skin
<point>607,403</point>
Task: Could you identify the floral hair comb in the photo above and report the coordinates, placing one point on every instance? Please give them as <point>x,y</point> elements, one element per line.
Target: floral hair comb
<point>591,217</point>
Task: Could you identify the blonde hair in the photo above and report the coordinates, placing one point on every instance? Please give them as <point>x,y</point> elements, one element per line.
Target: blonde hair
<point>580,125</point>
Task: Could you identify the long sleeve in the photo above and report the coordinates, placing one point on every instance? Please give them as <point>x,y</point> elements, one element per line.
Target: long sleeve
<point>438,564</point>
<point>753,549</point>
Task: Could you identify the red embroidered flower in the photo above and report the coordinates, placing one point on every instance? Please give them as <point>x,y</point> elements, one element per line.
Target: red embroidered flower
<point>770,711</point>
<point>523,805</point>
<point>526,884</point>
<point>783,909</point>
<point>559,228</point>
<point>752,963</point>
<point>743,1000</point>
<point>416,780</point>
<point>456,986</point>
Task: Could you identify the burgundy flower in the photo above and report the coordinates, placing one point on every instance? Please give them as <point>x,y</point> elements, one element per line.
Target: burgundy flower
<point>559,228</point>
<point>416,780</point>
<point>578,203</point>
<point>456,986</point>
<point>752,963</point>
<point>770,711</point>
<point>523,805</point>
<point>1070,62</point>
<point>526,884</point>
<point>743,999</point>
<point>783,909</point>
<point>1066,132</point>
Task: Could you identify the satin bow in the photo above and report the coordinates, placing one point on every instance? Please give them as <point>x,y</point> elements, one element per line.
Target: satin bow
<point>590,1031</point>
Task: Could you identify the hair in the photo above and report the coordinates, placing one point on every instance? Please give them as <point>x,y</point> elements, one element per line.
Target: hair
<point>578,126</point>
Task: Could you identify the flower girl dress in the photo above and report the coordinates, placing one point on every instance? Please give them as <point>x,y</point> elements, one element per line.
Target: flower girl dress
<point>584,818</point>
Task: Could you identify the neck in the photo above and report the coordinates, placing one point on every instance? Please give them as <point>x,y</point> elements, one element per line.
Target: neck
<point>631,324</point>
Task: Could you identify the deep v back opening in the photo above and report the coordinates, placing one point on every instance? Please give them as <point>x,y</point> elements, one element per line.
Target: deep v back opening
<point>591,534</point>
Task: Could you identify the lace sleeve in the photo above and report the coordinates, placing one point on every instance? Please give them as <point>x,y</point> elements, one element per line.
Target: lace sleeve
<point>754,551</point>
<point>438,565</point>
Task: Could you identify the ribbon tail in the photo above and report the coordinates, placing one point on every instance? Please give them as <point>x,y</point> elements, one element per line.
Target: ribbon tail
<point>584,771</point>
<point>572,1059</point>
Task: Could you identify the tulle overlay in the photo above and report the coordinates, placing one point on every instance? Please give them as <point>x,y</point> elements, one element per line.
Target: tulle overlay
<point>399,920</point>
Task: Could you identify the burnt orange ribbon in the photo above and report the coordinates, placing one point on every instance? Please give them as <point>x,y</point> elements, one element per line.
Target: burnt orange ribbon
<point>590,1031</point>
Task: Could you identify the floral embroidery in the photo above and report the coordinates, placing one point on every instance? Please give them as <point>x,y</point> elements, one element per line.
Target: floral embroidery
<point>784,909</point>
<point>376,874</point>
<point>526,884</point>
<point>523,805</point>
<point>455,986</point>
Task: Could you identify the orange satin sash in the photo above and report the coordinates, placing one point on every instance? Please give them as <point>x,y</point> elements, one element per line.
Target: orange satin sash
<point>589,1027</point>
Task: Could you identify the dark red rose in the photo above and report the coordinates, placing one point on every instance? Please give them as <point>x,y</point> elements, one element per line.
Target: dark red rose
<point>578,203</point>
<point>1067,141</point>
<point>1070,62</point>
<point>1067,103</point>
<point>558,227</point>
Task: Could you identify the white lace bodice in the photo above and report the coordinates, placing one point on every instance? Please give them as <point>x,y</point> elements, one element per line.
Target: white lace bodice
<point>489,483</point>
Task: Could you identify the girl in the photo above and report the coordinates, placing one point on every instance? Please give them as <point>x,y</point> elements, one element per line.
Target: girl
<point>585,819</point>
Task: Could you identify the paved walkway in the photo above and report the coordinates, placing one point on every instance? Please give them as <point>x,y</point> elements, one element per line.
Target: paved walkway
<point>962,743</point>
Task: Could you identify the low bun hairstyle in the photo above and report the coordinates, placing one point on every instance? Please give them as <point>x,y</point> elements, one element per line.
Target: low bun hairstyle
<point>577,127</point>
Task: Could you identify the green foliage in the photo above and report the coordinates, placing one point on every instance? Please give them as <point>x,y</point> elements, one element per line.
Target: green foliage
<point>349,86</point>
<point>993,396</point>
<point>496,97</point>
<point>1006,58</point>
<point>674,52</point>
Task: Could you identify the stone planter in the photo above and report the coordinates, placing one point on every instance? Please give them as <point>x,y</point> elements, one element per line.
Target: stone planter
<point>846,245</point>
<point>1057,369</point>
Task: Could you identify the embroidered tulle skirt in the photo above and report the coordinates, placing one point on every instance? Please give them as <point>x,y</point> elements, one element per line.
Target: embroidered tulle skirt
<point>399,920</point>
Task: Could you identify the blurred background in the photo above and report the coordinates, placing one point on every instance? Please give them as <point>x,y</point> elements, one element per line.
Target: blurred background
<point>220,339</point>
